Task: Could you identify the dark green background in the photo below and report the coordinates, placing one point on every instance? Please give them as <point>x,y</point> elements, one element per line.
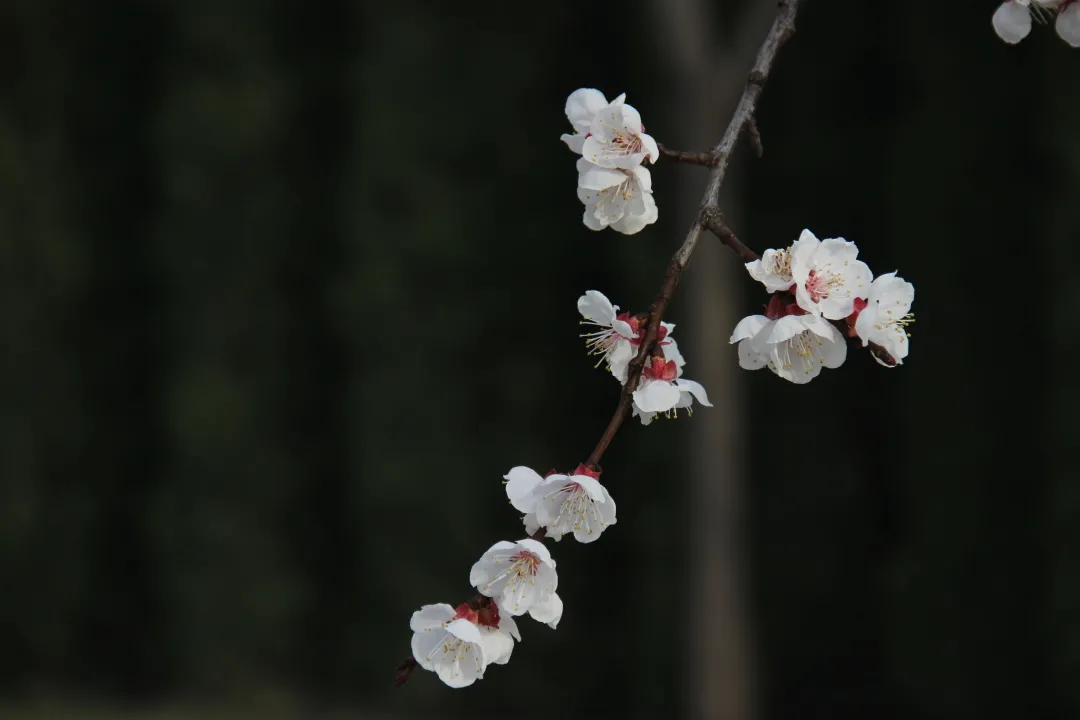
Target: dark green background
<point>286,287</point>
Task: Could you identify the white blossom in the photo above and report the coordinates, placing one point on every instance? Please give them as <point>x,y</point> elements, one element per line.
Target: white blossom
<point>827,275</point>
<point>619,334</point>
<point>662,390</point>
<point>520,576</point>
<point>617,138</point>
<point>887,314</point>
<point>773,270</point>
<point>458,644</point>
<point>561,504</point>
<point>619,198</point>
<point>581,108</point>
<point>795,347</point>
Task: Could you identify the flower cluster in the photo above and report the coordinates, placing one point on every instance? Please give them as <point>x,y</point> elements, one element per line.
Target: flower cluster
<point>821,288</point>
<point>613,182</point>
<point>512,578</point>
<point>661,388</point>
<point>1012,20</point>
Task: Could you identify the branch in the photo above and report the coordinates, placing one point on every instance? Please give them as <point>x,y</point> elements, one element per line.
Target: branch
<point>693,158</point>
<point>782,28</point>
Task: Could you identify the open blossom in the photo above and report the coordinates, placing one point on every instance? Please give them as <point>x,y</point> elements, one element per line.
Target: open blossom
<point>1012,20</point>
<point>563,504</point>
<point>619,334</point>
<point>581,108</point>
<point>520,576</point>
<point>458,643</point>
<point>607,134</point>
<point>661,390</point>
<point>827,275</point>
<point>618,139</point>
<point>886,315</point>
<point>773,270</point>
<point>792,343</point>
<point>688,391</point>
<point>619,198</point>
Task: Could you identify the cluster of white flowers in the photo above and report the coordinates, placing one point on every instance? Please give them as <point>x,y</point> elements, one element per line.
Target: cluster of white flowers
<point>1012,20</point>
<point>817,285</point>
<point>517,578</point>
<point>613,182</point>
<point>661,388</point>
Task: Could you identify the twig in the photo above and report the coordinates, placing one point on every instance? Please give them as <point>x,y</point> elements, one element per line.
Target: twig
<point>714,223</point>
<point>692,158</point>
<point>755,137</point>
<point>782,28</point>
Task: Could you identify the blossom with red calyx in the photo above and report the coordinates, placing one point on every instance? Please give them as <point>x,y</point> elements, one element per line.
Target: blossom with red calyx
<point>519,575</point>
<point>458,643</point>
<point>827,275</point>
<point>886,315</point>
<point>562,504</point>
<point>662,390</point>
<point>791,342</point>
<point>619,334</point>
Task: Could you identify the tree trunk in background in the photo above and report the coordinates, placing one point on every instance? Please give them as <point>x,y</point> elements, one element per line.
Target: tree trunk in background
<point>710,72</point>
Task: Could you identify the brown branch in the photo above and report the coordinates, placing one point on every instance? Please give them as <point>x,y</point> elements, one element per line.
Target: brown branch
<point>782,28</point>
<point>691,158</point>
<point>714,223</point>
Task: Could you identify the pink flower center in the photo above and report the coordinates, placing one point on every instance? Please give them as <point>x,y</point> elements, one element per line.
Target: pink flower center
<point>526,561</point>
<point>627,144</point>
<point>817,286</point>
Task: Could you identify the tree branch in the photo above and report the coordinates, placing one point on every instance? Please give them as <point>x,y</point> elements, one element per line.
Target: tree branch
<point>782,28</point>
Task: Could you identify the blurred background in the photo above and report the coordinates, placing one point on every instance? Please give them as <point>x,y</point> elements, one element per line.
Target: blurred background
<point>287,287</point>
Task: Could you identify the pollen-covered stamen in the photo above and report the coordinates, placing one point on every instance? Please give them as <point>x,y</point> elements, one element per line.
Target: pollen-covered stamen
<point>893,323</point>
<point>1043,14</point>
<point>780,263</point>
<point>804,351</point>
<point>625,143</point>
<point>822,284</point>
<point>602,342</point>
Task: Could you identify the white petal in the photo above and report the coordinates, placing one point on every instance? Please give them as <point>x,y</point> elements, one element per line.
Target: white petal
<point>548,611</point>
<point>1012,22</point>
<point>430,616</point>
<point>788,327</point>
<point>652,150</point>
<point>595,306</point>
<point>507,624</point>
<point>619,359</point>
<point>643,178</point>
<point>498,646</point>
<point>802,252</point>
<point>464,671</point>
<point>464,630</point>
<point>749,356</point>
<point>671,352</point>
<point>749,327</point>
<point>864,324</point>
<point>631,119</point>
<point>538,548</point>
<point>695,389</point>
<point>521,481</point>
<point>425,643</point>
<point>835,352</point>
<point>582,106</point>
<point>623,328</point>
<point>591,486</point>
<point>531,524</point>
<point>656,396</point>
<point>594,177</point>
<point>1068,24</point>
<point>574,142</point>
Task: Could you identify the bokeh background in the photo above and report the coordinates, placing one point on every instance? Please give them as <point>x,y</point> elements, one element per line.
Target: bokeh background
<point>287,287</point>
